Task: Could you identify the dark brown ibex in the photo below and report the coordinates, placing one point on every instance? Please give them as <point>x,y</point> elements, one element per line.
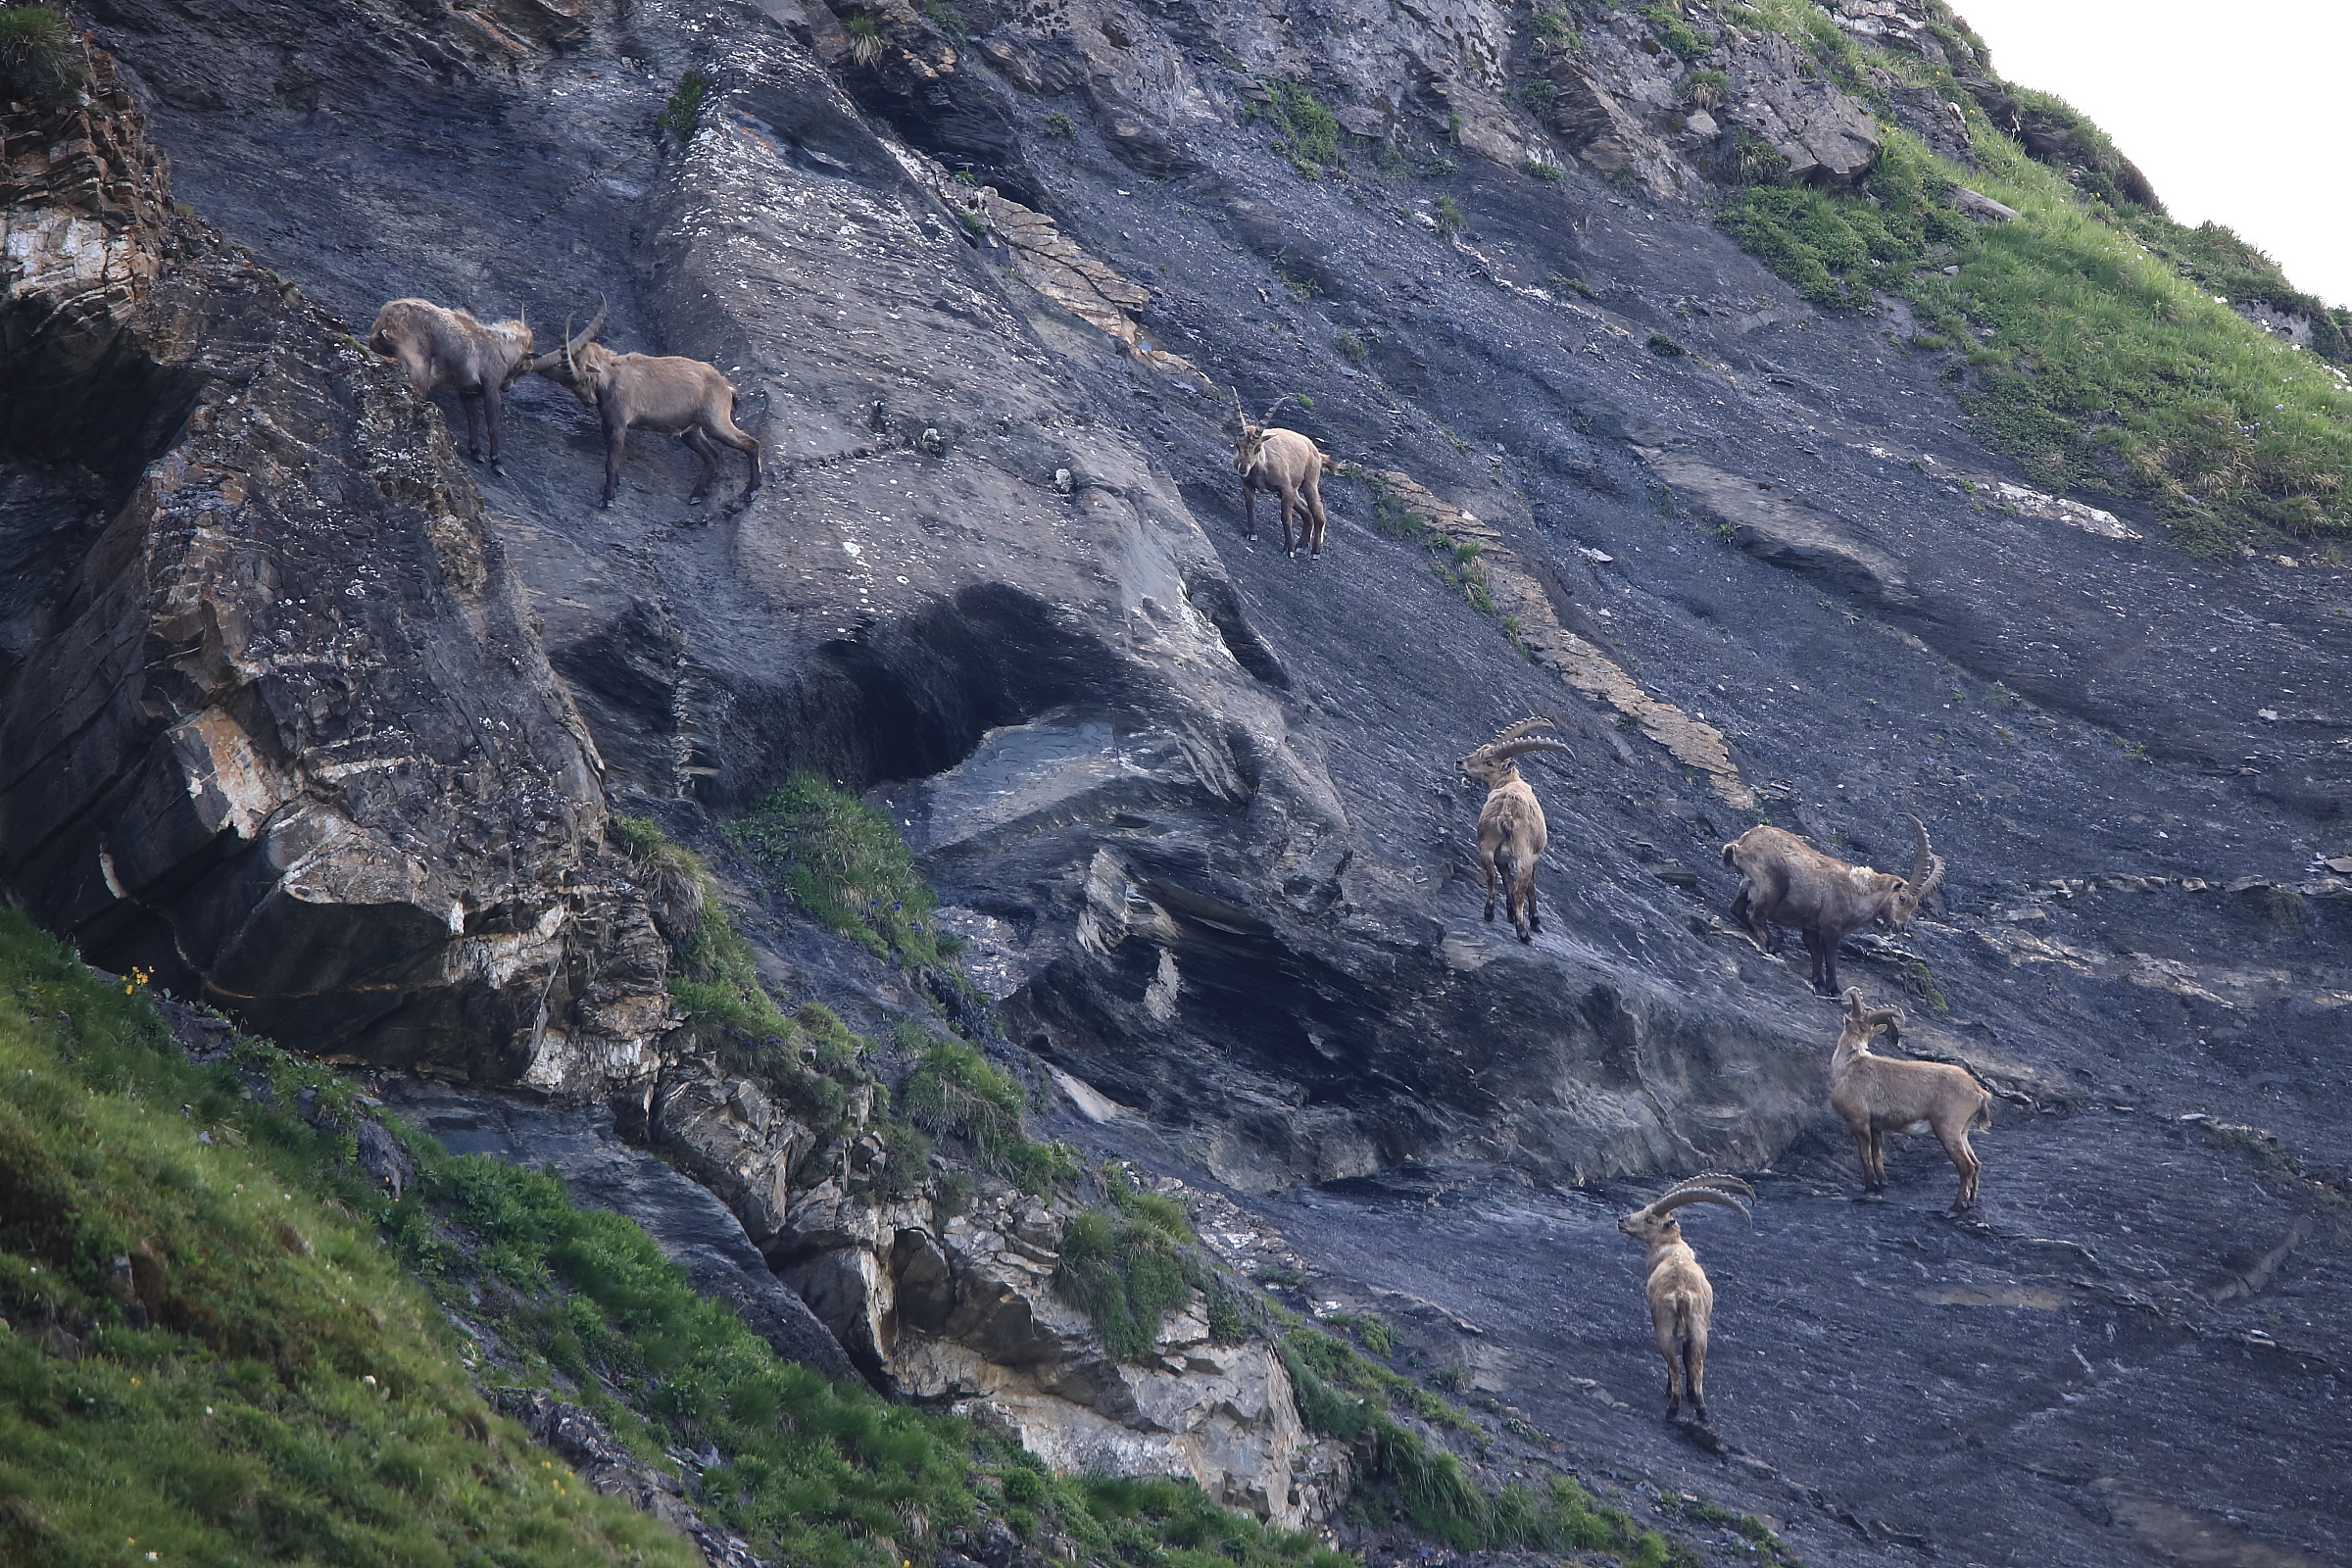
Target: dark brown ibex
<point>1881,1094</point>
<point>1289,466</point>
<point>448,351</point>
<point>675,396</point>
<point>1682,1304</point>
<point>1511,835</point>
<point>1785,881</point>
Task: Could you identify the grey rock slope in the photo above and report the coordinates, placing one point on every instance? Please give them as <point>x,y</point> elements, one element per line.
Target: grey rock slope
<point>1194,802</point>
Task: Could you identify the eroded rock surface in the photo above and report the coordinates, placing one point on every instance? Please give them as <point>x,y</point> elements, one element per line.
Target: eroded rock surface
<point>273,720</point>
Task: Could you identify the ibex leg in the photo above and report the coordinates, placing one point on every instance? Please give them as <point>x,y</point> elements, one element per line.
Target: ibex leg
<point>1964,1161</point>
<point>1248,511</point>
<point>492,405</point>
<point>1314,518</point>
<point>1290,503</point>
<point>617,435</point>
<point>734,435</point>
<point>1695,1370</point>
<point>471,402</point>
<point>699,445</point>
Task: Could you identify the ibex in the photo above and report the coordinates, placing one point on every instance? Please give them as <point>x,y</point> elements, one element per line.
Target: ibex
<point>679,397</point>
<point>1511,836</point>
<point>1681,1300</point>
<point>444,350</point>
<point>1881,1094</point>
<point>1290,466</point>
<point>1789,882</point>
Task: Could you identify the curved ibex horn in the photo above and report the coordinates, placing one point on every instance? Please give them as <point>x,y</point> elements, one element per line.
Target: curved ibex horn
<point>1503,753</point>
<point>1511,732</point>
<point>573,345</point>
<point>1927,867</point>
<point>1275,406</point>
<point>1872,1019</point>
<point>1679,1197</point>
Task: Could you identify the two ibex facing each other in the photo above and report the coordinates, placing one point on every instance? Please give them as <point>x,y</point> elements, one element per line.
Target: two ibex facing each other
<point>448,351</point>
<point>1682,1304</point>
<point>1880,1094</point>
<point>1511,835</point>
<point>1289,466</point>
<point>1785,881</point>
<point>675,396</point>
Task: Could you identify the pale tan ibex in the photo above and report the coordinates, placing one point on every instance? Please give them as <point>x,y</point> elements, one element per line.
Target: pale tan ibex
<point>448,351</point>
<point>1288,465</point>
<point>1881,1094</point>
<point>1785,881</point>
<point>1682,1304</point>
<point>1511,835</point>
<point>675,396</point>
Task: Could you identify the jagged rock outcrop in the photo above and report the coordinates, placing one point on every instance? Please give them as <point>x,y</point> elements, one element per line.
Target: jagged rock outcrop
<point>961,1309</point>
<point>273,721</point>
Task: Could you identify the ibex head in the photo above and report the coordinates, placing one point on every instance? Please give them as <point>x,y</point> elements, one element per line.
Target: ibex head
<point>1862,1023</point>
<point>1250,436</point>
<point>1655,1222</point>
<point>581,363</point>
<point>1927,874</point>
<point>1492,764</point>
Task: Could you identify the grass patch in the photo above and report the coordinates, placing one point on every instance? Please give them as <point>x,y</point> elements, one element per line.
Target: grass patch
<point>682,116</point>
<point>1673,30</point>
<point>811,1058</point>
<point>2091,364</point>
<point>956,1091</point>
<point>1448,214</point>
<point>40,58</point>
<point>1126,1265</point>
<point>209,1358</point>
<point>844,864</point>
<point>1404,1478</point>
<point>1308,133</point>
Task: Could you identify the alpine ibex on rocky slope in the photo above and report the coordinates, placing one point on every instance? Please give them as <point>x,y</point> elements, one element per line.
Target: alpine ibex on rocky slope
<point>1785,881</point>
<point>1682,1304</point>
<point>1881,1094</point>
<point>1288,465</point>
<point>1511,835</point>
<point>675,396</point>
<point>448,351</point>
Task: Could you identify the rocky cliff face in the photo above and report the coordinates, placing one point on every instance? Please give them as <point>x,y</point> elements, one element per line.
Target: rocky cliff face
<point>974,270</point>
<point>275,722</point>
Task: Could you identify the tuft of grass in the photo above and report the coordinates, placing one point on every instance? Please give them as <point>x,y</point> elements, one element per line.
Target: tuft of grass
<point>1664,347</point>
<point>1351,348</point>
<point>208,1355</point>
<point>1556,33</point>
<point>1126,1265</point>
<point>39,57</point>
<point>865,37</point>
<point>1543,169</point>
<point>1539,94</point>
<point>947,20</point>
<point>1704,89</point>
<point>1449,216</point>
<point>1673,30</point>
<point>956,1091</point>
<point>1059,123</point>
<point>682,116</point>
<point>844,864</point>
<point>1308,134</point>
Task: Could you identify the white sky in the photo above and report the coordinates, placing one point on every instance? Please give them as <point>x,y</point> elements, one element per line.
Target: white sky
<point>2235,112</point>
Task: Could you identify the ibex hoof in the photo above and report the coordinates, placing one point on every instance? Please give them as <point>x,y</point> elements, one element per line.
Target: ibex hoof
<point>694,501</point>
<point>1524,937</point>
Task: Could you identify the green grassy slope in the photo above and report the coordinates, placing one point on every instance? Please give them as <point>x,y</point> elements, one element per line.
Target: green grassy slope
<point>285,1400</point>
<point>267,1376</point>
<point>2086,339</point>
